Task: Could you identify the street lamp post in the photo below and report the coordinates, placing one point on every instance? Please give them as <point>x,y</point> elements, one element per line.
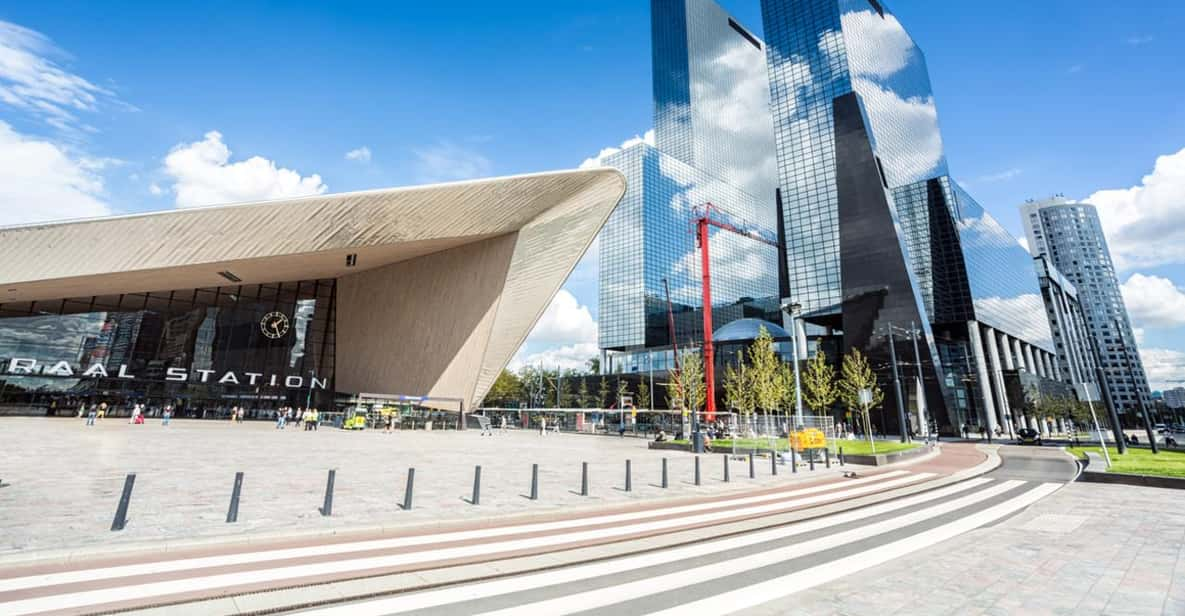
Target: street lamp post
<point>897,389</point>
<point>792,309</point>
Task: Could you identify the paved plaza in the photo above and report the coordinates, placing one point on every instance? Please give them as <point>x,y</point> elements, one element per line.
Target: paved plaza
<point>64,479</point>
<point>1086,549</point>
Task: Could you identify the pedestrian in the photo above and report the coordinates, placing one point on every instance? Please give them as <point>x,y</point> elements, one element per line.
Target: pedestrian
<point>484,422</point>
<point>102,410</point>
<point>91,414</point>
<point>390,421</point>
<point>503,427</point>
<point>316,419</point>
<point>166,415</point>
<point>542,426</point>
<point>242,412</point>
<point>280,419</point>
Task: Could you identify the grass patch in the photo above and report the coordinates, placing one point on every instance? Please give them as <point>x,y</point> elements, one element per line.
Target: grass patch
<point>850,447</point>
<point>1140,461</point>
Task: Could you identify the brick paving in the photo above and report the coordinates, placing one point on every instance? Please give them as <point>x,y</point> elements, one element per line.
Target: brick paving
<point>65,478</point>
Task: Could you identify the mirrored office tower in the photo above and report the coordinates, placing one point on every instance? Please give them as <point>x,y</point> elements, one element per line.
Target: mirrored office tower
<point>880,240</point>
<point>713,143</point>
<point>1071,237</point>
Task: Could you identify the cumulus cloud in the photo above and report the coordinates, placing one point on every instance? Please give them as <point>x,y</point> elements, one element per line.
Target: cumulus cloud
<point>203,175</point>
<point>31,80</point>
<point>41,181</point>
<point>1153,301</point>
<point>1145,224</point>
<point>565,336</point>
<point>361,154</point>
<point>1165,368</point>
<point>447,162</point>
<point>599,159</point>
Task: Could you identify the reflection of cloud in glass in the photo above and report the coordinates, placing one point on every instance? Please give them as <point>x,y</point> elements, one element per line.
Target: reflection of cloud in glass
<point>876,46</point>
<point>1025,315</point>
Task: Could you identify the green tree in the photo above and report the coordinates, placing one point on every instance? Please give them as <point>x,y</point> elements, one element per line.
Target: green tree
<point>691,385</point>
<point>603,394</point>
<point>788,401</point>
<point>737,393</point>
<point>857,375</point>
<point>763,372</point>
<point>506,390</point>
<point>594,365</point>
<point>819,390</point>
<point>583,395</point>
<point>643,395</point>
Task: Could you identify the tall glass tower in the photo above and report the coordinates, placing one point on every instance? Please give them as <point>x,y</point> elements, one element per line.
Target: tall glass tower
<point>1070,235</point>
<point>881,242</point>
<point>713,143</point>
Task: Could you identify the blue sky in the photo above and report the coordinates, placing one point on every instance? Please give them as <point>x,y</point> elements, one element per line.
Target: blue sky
<point>1034,98</point>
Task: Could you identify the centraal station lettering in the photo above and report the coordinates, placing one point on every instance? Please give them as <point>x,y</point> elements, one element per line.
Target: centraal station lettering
<point>33,367</point>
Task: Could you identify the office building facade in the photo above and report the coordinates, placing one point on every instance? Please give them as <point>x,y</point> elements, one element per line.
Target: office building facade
<point>713,144</point>
<point>1076,360</point>
<point>1071,237</point>
<point>879,236</point>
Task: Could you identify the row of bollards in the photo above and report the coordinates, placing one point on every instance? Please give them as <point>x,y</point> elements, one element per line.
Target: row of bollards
<point>326,509</point>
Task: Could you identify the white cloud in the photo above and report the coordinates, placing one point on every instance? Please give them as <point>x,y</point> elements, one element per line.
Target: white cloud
<point>155,189</point>
<point>1002,176</point>
<point>1138,332</point>
<point>565,336</point>
<point>1024,243</point>
<point>32,82</point>
<point>41,181</point>
<point>361,154</point>
<point>447,162</point>
<point>566,321</point>
<point>204,175</point>
<point>908,125</point>
<point>1165,368</point>
<point>1145,224</point>
<point>569,357</point>
<point>599,159</point>
<point>877,46</point>
<point>1136,41</point>
<point>1153,301</point>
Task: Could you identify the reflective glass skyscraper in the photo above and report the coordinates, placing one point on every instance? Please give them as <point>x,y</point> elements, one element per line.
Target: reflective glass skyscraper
<point>713,143</point>
<point>1071,237</point>
<point>878,235</point>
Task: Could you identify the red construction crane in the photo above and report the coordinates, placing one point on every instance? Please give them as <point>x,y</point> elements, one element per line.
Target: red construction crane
<point>704,220</point>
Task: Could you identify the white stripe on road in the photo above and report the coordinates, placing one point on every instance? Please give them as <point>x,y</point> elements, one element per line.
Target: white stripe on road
<point>777,588</point>
<point>482,590</point>
<point>609,595</point>
<point>202,583</point>
<point>228,560</point>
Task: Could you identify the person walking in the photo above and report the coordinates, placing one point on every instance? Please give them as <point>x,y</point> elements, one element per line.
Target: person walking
<point>503,425</point>
<point>542,426</point>
<point>316,419</point>
<point>280,419</point>
<point>102,410</point>
<point>390,422</point>
<point>166,415</point>
<point>91,414</point>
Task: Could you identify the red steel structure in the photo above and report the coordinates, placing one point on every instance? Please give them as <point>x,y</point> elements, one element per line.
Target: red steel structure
<point>703,222</point>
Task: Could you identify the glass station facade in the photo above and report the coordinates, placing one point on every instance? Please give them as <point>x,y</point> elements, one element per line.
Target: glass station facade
<point>201,351</point>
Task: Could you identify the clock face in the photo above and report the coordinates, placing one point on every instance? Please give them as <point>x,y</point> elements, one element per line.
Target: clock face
<point>274,325</point>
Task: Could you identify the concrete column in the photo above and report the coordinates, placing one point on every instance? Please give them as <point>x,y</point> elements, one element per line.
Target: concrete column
<point>1063,328</point>
<point>1039,361</point>
<point>985,383</point>
<point>1030,365</point>
<point>993,352</point>
<point>1007,354</point>
<point>1020,355</point>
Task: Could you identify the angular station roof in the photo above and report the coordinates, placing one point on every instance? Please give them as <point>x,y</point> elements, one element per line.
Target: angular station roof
<point>547,221</point>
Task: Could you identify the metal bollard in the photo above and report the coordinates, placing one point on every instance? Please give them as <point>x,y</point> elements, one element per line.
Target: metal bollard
<point>752,468</point>
<point>793,460</point>
<point>534,482</point>
<point>407,493</point>
<point>697,470</point>
<point>841,460</point>
<point>232,514</point>
<point>664,473</point>
<point>476,499</point>
<point>121,511</point>
<point>584,478</point>
<point>773,462</point>
<point>726,476</point>
<point>827,457</point>
<point>629,485</point>
<point>811,459</point>
<point>327,508</point>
